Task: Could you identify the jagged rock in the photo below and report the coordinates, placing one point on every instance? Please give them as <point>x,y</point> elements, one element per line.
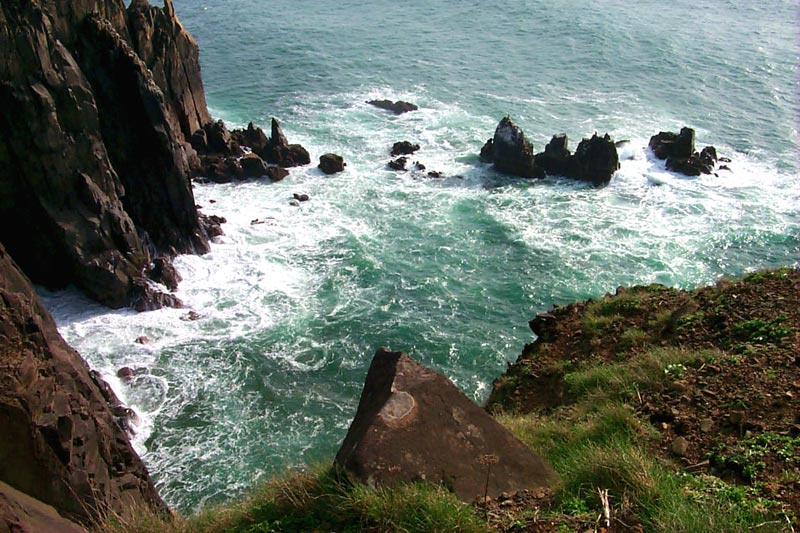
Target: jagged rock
<point>544,326</point>
<point>667,144</point>
<point>398,108</point>
<point>277,173</point>
<point>510,150</point>
<point>148,297</point>
<point>595,160</point>
<point>218,138</point>
<point>252,166</point>
<point>398,164</point>
<point>164,272</point>
<point>555,158</point>
<point>19,513</point>
<point>404,148</point>
<point>678,150</point>
<point>221,169</point>
<point>172,56</point>
<point>282,153</point>
<point>413,424</point>
<point>331,163</point>
<point>61,443</point>
<point>254,138</point>
<point>212,225</point>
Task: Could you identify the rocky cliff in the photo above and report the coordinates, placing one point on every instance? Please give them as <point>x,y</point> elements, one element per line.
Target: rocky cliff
<point>97,101</point>
<point>62,444</point>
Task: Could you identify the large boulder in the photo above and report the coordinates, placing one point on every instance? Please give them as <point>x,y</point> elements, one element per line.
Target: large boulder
<point>252,166</point>
<point>595,160</point>
<point>398,108</point>
<point>413,424</point>
<point>62,444</point>
<point>22,514</point>
<point>510,151</point>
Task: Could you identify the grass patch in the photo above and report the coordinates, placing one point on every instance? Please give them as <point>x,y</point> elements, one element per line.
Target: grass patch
<point>762,331</point>
<point>600,443</point>
<point>318,500</point>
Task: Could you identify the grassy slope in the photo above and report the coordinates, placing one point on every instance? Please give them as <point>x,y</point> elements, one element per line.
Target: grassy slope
<point>679,409</point>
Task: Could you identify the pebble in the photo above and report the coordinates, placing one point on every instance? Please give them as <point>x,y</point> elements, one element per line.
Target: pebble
<point>680,446</point>
<point>706,425</point>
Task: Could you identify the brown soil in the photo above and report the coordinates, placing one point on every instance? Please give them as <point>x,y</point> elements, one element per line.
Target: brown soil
<point>744,400</point>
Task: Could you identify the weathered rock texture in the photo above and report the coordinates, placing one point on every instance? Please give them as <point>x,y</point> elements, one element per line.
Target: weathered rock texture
<point>413,424</point>
<point>61,442</point>
<point>93,162</point>
<point>510,151</point>
<point>331,163</point>
<point>22,514</point>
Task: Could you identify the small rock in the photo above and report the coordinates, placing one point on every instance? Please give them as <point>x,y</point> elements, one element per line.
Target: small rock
<point>404,148</point>
<point>680,446</point>
<point>276,173</point>
<point>706,425</point>
<point>256,221</point>
<point>398,164</point>
<point>736,417</point>
<point>331,163</point>
<point>191,316</point>
<point>398,108</point>
<point>142,339</point>
<point>126,374</point>
<point>435,174</point>
<point>294,203</point>
<point>301,197</point>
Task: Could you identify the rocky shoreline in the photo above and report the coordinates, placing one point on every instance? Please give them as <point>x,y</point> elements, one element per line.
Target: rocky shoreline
<point>104,127</point>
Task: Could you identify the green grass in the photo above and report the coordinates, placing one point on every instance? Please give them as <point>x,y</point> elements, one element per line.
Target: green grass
<point>318,500</point>
<point>599,442</point>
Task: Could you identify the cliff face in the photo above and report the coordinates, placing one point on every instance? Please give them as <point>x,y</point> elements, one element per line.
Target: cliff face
<point>93,152</point>
<point>61,442</point>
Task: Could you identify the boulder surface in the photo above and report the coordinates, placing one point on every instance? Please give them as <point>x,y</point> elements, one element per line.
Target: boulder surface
<point>413,424</point>
<point>510,151</point>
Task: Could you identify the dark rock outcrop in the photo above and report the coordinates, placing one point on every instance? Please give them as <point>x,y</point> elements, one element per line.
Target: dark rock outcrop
<point>404,148</point>
<point>164,272</point>
<point>679,151</point>
<point>413,424</point>
<point>331,163</point>
<point>61,443</point>
<point>510,151</point>
<point>172,56</point>
<point>276,173</point>
<point>595,160</point>
<point>398,108</point>
<point>93,164</point>
<point>555,158</point>
<point>282,153</point>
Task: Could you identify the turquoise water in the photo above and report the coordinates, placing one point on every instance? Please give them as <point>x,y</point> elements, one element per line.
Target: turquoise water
<point>450,270</point>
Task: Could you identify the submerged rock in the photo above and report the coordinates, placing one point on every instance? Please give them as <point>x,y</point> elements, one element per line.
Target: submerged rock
<point>398,108</point>
<point>398,164</point>
<point>510,151</point>
<point>413,424</point>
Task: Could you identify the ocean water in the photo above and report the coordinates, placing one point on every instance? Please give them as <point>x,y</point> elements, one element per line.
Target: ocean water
<point>450,270</point>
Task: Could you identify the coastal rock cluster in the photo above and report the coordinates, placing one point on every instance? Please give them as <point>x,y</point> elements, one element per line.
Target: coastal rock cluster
<point>595,160</point>
<point>679,151</point>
